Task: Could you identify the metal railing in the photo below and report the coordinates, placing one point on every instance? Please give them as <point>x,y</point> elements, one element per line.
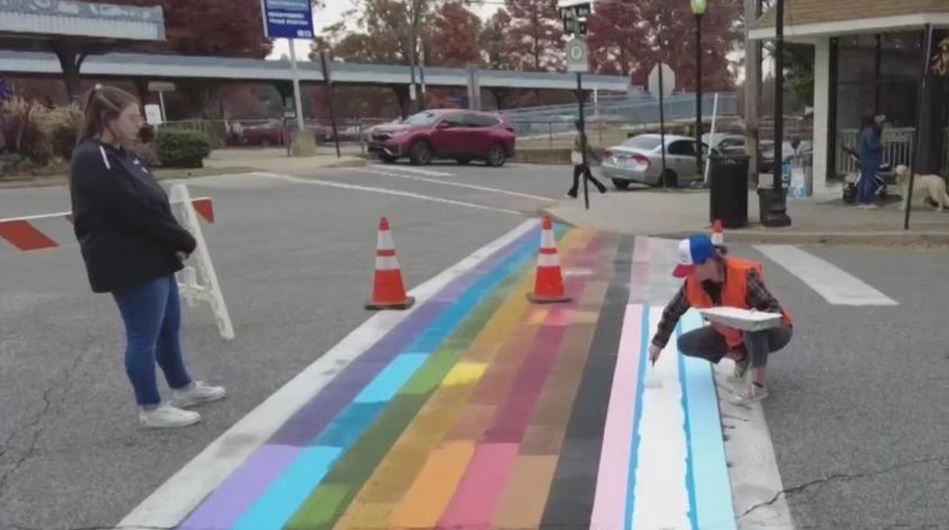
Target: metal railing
<point>897,148</point>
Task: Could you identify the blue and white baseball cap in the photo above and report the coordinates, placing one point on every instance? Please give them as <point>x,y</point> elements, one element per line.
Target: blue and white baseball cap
<point>695,250</point>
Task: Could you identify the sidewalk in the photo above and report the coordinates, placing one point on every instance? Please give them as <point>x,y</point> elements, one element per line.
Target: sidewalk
<point>275,160</point>
<point>824,219</point>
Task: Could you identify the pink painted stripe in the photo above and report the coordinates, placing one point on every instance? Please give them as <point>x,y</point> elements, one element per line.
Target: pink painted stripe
<point>609,505</point>
<point>476,499</point>
<point>479,493</point>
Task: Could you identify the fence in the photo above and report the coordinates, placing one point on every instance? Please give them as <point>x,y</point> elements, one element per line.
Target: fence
<point>897,148</point>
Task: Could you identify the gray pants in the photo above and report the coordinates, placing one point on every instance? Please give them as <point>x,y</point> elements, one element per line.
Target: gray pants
<point>706,343</point>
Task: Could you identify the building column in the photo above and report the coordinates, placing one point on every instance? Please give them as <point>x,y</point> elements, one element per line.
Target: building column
<point>823,142</point>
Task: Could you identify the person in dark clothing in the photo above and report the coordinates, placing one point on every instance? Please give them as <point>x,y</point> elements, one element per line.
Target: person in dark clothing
<point>579,168</point>
<point>132,246</point>
<point>713,279</point>
<point>871,157</point>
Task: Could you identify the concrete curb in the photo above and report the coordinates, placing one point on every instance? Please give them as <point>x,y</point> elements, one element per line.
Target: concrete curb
<point>778,236</point>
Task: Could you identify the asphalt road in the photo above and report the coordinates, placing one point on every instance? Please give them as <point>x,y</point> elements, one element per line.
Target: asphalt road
<point>857,413</point>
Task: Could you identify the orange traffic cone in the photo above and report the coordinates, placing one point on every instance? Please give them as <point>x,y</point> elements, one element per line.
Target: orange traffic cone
<point>718,236</point>
<point>548,288</point>
<point>388,291</point>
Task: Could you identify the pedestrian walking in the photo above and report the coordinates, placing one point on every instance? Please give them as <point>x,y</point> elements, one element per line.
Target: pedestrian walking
<point>132,246</point>
<point>579,168</point>
<point>871,157</point>
<point>714,279</point>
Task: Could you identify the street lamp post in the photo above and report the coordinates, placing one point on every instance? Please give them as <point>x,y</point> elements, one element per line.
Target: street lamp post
<point>698,9</point>
<point>777,215</point>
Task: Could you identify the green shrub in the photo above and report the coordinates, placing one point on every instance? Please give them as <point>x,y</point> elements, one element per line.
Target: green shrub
<point>182,148</point>
<point>65,123</point>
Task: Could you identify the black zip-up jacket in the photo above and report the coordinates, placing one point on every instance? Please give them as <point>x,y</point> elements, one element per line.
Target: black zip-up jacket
<point>123,220</point>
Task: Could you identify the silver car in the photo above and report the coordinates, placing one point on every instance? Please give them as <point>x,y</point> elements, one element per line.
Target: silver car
<point>639,160</point>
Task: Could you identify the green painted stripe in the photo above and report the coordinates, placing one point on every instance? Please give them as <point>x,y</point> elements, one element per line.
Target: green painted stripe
<point>330,500</point>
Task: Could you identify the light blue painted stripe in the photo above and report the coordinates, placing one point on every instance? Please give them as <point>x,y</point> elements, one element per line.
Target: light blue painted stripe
<point>689,459</point>
<point>273,509</point>
<point>637,417</point>
<point>713,493</point>
<point>391,379</point>
<point>285,494</point>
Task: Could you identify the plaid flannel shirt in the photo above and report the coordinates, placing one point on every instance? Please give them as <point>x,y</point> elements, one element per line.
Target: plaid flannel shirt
<point>759,297</point>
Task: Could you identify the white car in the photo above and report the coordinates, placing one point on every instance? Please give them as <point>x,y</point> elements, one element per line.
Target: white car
<point>639,160</point>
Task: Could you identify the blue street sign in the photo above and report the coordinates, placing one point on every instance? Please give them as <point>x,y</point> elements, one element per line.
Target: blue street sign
<point>287,19</point>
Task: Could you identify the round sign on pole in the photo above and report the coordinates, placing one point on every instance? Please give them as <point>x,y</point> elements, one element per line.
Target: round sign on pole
<point>577,56</point>
<point>668,80</point>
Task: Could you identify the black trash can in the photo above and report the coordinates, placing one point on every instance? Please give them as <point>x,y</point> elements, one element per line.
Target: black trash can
<point>728,197</point>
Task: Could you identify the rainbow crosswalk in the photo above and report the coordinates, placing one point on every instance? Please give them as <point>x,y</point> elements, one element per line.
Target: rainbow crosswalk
<point>481,410</point>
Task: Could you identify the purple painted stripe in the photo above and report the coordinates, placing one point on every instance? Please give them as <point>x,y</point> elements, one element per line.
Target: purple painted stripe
<point>223,507</point>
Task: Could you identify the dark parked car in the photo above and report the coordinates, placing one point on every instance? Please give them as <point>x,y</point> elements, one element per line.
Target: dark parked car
<point>455,134</point>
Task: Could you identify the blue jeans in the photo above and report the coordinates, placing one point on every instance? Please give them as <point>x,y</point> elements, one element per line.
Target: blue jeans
<point>152,317</point>
<point>868,183</point>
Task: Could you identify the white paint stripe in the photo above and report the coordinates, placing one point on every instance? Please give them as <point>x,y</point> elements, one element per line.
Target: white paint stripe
<point>171,503</point>
<point>62,215</point>
<point>417,171</point>
<point>753,469</point>
<point>386,191</point>
<point>456,184</point>
<point>835,285</point>
<point>661,498</point>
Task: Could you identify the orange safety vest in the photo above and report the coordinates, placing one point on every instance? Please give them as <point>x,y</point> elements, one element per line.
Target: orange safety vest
<point>734,294</point>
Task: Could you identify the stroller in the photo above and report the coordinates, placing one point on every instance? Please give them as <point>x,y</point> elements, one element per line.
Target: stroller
<point>852,182</point>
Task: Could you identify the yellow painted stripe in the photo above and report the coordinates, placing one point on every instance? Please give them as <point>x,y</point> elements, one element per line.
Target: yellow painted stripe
<point>404,474</point>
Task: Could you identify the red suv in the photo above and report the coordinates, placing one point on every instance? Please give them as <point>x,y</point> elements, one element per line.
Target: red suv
<point>458,134</point>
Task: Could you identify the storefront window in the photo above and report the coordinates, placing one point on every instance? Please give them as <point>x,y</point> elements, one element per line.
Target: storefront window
<point>878,75</point>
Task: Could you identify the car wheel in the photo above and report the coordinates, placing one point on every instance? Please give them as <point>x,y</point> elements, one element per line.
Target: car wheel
<point>386,159</point>
<point>669,179</point>
<point>621,184</point>
<point>420,154</point>
<point>463,161</point>
<point>496,156</point>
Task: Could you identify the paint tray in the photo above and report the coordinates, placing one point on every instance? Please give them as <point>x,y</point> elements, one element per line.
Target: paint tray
<point>743,319</point>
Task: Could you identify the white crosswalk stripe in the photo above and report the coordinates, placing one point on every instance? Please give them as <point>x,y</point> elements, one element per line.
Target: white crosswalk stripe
<point>455,184</point>
<point>835,285</point>
<point>414,170</point>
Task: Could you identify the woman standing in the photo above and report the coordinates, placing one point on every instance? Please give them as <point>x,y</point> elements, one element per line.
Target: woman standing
<point>132,246</point>
<point>871,157</point>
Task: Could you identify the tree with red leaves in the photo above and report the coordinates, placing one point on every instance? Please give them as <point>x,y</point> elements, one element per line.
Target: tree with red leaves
<point>618,42</point>
<point>721,27</point>
<point>535,38</point>
<point>454,37</point>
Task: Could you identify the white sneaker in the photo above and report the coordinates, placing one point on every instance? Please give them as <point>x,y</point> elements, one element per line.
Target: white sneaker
<point>197,393</point>
<point>751,394</point>
<point>166,416</point>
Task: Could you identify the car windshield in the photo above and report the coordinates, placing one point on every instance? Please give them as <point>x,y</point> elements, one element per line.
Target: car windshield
<point>647,143</point>
<point>422,118</point>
